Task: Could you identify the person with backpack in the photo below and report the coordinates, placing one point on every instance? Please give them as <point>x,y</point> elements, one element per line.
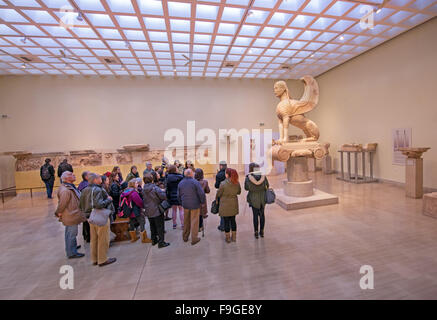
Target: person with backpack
<point>47,173</point>
<point>152,198</point>
<point>256,184</point>
<point>64,166</point>
<point>131,206</point>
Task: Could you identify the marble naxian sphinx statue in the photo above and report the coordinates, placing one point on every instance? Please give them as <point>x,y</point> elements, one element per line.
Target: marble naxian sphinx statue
<point>295,152</point>
<point>290,111</point>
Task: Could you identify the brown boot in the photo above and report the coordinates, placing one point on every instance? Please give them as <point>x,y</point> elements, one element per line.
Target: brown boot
<point>234,236</point>
<point>228,237</point>
<point>133,236</point>
<point>144,238</point>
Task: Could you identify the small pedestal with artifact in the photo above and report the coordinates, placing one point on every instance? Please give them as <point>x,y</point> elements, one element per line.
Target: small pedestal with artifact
<point>359,151</point>
<point>298,190</point>
<point>413,171</point>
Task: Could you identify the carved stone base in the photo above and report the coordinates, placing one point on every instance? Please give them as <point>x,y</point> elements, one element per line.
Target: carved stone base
<point>430,204</point>
<point>319,198</point>
<point>298,189</point>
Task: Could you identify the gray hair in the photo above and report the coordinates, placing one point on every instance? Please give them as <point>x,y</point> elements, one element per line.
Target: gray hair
<point>92,177</point>
<point>188,173</point>
<point>65,174</point>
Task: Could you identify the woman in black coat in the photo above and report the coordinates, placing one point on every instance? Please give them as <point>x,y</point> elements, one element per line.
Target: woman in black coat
<point>173,179</point>
<point>115,190</point>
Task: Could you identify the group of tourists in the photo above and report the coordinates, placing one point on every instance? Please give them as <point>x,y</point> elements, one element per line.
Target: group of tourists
<point>99,200</point>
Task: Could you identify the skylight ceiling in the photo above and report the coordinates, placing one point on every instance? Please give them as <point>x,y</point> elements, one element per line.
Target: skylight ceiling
<point>215,38</point>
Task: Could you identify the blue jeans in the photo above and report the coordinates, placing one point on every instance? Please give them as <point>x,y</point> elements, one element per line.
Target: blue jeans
<point>70,240</point>
<point>49,187</point>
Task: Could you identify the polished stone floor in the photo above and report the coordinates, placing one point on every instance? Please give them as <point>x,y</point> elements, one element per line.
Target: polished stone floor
<point>306,254</point>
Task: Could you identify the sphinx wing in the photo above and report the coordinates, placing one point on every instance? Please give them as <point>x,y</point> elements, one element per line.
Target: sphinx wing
<point>310,96</point>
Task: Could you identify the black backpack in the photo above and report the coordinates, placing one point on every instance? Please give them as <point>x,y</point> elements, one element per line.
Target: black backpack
<point>45,173</point>
<point>125,208</point>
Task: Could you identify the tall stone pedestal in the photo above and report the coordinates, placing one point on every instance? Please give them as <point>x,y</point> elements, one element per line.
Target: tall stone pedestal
<point>413,171</point>
<point>327,165</point>
<point>298,190</point>
<point>414,178</point>
<point>312,165</point>
<point>298,184</point>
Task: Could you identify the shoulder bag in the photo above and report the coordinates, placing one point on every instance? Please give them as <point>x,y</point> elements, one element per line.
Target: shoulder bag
<point>98,217</point>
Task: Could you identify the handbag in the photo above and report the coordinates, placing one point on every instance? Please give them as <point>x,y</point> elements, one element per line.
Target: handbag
<point>215,206</point>
<point>270,196</point>
<point>98,217</point>
<point>164,206</point>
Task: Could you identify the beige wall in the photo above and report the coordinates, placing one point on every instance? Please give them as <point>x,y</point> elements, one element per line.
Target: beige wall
<point>392,86</point>
<point>73,113</point>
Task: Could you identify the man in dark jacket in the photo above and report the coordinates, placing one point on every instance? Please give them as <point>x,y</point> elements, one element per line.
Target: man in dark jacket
<point>95,197</point>
<point>221,176</point>
<point>191,196</point>
<point>64,166</point>
<point>47,173</point>
<point>149,169</point>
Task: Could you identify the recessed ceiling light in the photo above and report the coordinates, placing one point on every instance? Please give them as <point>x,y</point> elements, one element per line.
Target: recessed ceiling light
<point>378,11</point>
<point>23,66</point>
<point>341,38</point>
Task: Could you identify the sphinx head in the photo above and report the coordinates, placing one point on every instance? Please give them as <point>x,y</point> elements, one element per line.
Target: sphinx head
<point>280,88</point>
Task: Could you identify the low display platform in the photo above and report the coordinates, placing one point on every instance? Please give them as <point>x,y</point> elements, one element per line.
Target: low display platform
<point>319,198</point>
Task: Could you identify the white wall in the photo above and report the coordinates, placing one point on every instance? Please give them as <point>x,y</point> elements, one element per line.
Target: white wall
<point>392,86</point>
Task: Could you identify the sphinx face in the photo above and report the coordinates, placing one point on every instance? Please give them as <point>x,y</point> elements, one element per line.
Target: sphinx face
<point>279,90</point>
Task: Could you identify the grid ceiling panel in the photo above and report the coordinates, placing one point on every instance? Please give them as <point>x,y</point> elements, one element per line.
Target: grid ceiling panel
<point>212,38</point>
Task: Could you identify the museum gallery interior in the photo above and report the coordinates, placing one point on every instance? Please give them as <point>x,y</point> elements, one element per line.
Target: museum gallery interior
<point>312,121</point>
